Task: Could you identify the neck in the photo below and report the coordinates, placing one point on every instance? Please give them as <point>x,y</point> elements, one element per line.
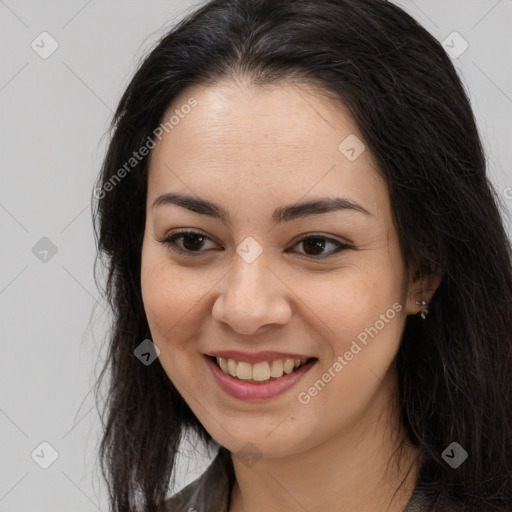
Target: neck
<point>368,466</point>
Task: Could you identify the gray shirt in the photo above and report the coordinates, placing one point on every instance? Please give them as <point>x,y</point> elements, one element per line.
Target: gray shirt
<point>211,492</point>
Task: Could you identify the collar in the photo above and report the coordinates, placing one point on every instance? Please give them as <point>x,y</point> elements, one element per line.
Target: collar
<point>211,492</point>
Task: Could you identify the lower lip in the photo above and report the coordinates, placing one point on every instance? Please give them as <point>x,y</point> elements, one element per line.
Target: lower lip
<point>250,392</point>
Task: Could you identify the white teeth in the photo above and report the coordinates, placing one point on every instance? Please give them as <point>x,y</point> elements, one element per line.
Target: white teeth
<point>244,371</point>
<point>223,363</point>
<point>259,372</point>
<point>276,370</point>
<point>288,366</point>
<point>232,367</point>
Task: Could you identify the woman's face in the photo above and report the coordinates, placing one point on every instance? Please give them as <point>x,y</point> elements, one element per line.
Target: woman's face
<point>271,280</point>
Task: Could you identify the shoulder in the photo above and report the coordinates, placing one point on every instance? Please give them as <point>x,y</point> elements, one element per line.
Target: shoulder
<point>210,492</point>
<point>429,496</point>
<point>425,500</point>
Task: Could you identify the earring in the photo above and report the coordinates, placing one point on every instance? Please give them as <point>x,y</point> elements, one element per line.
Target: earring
<point>424,310</point>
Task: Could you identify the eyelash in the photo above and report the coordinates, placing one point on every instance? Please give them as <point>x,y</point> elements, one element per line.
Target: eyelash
<point>170,242</point>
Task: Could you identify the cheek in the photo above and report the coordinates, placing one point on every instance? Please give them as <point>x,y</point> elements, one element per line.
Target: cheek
<point>362,320</point>
<point>178,310</point>
<point>159,296</point>
<point>365,325</point>
<point>346,303</point>
<point>170,297</point>
<point>172,302</point>
<point>168,290</point>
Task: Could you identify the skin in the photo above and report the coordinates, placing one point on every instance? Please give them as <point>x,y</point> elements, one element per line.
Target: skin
<point>250,150</point>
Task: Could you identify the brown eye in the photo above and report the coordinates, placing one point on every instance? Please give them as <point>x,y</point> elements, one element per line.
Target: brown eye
<point>316,244</point>
<point>191,242</point>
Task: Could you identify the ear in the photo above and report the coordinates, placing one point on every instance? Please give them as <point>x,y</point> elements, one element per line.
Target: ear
<point>422,287</point>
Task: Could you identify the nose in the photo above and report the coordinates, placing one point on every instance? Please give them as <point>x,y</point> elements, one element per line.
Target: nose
<point>252,298</point>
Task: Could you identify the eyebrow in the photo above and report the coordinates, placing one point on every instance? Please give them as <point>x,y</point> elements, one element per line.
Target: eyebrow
<point>280,215</point>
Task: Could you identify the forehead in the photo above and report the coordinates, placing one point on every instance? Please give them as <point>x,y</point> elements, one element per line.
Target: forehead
<point>280,141</point>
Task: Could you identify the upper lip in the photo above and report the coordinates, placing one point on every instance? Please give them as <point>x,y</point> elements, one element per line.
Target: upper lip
<point>256,357</point>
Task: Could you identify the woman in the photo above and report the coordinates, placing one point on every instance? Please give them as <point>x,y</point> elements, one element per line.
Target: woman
<point>297,221</point>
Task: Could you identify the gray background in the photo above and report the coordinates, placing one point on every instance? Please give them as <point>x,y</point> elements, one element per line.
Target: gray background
<point>54,115</point>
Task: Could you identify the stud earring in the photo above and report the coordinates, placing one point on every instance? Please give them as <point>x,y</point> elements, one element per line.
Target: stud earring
<point>424,310</point>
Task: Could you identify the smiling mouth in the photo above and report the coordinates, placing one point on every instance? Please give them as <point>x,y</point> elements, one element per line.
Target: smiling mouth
<point>259,373</point>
